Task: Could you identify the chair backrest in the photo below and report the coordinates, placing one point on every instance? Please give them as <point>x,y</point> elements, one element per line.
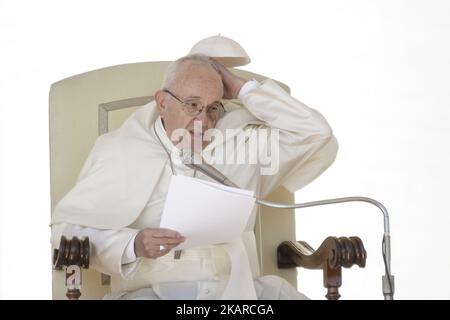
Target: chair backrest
<point>92,103</point>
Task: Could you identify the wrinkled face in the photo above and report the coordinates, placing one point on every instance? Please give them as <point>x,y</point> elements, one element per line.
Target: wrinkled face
<point>193,81</point>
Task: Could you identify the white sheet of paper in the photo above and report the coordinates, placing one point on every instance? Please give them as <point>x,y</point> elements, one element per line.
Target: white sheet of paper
<point>205,212</point>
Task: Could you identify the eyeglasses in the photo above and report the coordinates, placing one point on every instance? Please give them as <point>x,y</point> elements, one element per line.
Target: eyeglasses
<point>193,107</point>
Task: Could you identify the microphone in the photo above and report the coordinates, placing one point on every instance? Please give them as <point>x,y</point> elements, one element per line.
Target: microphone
<point>195,161</point>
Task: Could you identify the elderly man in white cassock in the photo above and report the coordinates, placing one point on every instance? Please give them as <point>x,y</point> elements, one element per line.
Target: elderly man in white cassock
<point>120,194</point>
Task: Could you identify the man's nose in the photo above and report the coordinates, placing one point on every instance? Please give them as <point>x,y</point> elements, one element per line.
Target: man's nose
<point>202,116</point>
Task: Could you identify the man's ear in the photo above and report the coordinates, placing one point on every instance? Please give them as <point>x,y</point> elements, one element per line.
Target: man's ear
<point>160,102</point>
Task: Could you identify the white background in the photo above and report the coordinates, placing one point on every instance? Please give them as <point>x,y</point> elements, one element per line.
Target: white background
<point>378,70</point>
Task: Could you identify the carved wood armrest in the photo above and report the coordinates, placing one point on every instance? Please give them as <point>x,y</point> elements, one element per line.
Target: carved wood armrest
<point>71,256</point>
<point>333,254</point>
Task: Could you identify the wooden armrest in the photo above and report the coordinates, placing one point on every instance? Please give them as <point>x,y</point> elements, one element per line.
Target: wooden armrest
<point>333,254</point>
<point>71,256</point>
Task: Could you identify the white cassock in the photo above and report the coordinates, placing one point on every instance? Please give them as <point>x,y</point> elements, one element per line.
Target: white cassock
<point>122,187</point>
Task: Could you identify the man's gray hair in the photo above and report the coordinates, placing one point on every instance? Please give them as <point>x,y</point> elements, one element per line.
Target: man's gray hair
<point>171,74</point>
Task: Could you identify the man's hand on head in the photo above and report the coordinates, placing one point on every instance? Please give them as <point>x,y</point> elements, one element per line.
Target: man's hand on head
<point>232,84</point>
<point>149,242</point>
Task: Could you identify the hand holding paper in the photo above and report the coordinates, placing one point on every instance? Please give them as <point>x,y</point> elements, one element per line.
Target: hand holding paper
<point>204,212</point>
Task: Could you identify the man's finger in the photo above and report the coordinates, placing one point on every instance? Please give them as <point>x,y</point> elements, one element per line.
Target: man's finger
<point>161,232</point>
<point>168,241</point>
<point>163,251</point>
